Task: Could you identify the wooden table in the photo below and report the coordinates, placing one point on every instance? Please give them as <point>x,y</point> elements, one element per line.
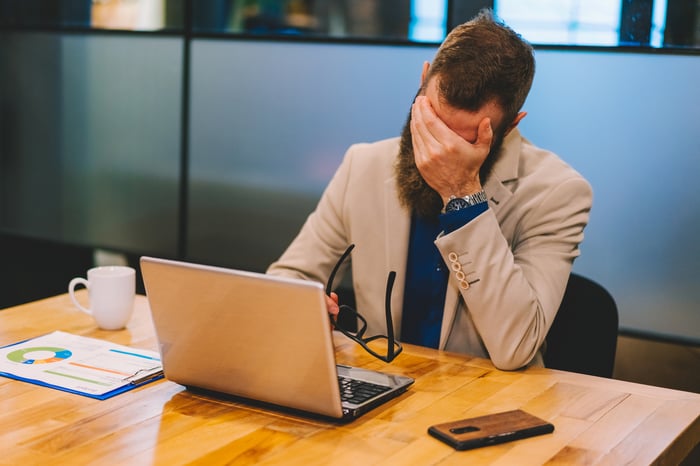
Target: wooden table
<point>598,421</point>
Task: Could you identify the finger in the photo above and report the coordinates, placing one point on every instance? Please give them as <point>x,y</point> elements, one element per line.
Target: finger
<point>417,134</point>
<point>427,121</point>
<point>438,131</point>
<point>424,142</point>
<point>332,305</point>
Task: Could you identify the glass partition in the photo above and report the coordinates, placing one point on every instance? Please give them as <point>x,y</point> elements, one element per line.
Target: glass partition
<point>654,24</point>
<point>128,15</point>
<point>605,23</point>
<point>89,139</point>
<point>404,20</point>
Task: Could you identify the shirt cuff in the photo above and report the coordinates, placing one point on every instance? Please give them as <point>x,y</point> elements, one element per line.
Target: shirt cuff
<point>451,221</point>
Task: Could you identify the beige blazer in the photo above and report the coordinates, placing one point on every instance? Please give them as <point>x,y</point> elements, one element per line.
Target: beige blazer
<point>509,266</point>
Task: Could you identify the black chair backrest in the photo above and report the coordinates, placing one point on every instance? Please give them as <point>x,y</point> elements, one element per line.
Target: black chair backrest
<point>583,336</point>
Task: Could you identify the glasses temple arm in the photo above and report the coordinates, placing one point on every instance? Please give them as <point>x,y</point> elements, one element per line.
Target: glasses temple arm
<point>331,277</point>
<point>389,321</point>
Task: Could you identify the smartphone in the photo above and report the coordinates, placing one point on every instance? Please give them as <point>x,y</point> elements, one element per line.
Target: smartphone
<point>491,429</point>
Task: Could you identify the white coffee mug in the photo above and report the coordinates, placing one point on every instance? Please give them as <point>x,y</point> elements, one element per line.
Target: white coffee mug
<point>111,291</point>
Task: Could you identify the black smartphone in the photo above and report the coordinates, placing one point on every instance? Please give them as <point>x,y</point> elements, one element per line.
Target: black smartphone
<point>491,429</point>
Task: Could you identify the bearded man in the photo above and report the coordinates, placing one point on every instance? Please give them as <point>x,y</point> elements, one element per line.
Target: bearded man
<point>480,226</point>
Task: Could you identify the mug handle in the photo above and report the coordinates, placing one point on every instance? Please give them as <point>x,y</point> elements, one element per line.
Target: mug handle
<point>71,291</point>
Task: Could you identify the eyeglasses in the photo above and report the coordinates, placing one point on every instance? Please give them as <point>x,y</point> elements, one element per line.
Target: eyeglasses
<point>393,347</point>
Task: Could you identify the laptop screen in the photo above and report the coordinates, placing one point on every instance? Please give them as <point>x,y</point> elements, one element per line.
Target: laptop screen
<point>246,334</point>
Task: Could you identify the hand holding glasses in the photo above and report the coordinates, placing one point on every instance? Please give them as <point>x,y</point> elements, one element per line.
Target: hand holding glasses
<point>393,347</point>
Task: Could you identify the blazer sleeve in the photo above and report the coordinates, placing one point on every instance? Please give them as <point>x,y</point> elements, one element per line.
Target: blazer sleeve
<point>515,282</point>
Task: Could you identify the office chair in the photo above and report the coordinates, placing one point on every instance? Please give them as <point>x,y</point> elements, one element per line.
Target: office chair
<point>583,336</point>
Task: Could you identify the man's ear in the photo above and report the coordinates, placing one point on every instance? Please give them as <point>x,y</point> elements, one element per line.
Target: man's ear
<point>518,118</point>
<point>424,72</point>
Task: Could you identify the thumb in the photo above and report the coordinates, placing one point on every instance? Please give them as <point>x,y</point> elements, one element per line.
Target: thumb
<point>484,135</point>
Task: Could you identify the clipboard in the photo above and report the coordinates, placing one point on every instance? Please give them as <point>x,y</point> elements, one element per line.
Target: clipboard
<point>81,365</point>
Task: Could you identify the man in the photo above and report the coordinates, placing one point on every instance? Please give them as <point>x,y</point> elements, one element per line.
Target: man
<point>481,226</point>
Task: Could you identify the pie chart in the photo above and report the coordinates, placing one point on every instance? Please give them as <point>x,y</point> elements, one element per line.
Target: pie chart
<point>39,355</point>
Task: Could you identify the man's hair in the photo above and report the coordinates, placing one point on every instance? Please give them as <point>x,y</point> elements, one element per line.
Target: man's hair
<point>481,61</point>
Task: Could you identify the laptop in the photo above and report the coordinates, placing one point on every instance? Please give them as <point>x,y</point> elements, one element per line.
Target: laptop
<point>258,337</point>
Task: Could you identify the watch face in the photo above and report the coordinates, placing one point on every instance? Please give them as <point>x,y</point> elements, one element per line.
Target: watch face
<point>456,204</point>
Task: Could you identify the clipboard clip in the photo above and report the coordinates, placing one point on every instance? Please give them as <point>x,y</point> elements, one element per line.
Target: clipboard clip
<point>144,375</point>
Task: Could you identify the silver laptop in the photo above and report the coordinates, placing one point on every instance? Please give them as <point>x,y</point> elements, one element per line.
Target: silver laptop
<point>255,336</point>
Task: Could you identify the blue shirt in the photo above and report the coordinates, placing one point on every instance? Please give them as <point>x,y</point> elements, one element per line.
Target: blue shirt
<point>427,274</point>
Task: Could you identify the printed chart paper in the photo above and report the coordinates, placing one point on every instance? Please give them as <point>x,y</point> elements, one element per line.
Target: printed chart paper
<point>82,365</point>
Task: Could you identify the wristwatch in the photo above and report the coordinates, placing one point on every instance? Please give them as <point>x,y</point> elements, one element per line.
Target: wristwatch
<point>457,203</point>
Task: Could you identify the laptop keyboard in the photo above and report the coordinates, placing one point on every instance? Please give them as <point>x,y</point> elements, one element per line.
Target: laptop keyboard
<point>358,391</point>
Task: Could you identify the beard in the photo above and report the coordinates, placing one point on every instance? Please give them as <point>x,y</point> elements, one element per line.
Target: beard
<point>414,193</point>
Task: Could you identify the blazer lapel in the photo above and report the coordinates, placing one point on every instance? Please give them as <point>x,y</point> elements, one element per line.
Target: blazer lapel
<point>504,171</point>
